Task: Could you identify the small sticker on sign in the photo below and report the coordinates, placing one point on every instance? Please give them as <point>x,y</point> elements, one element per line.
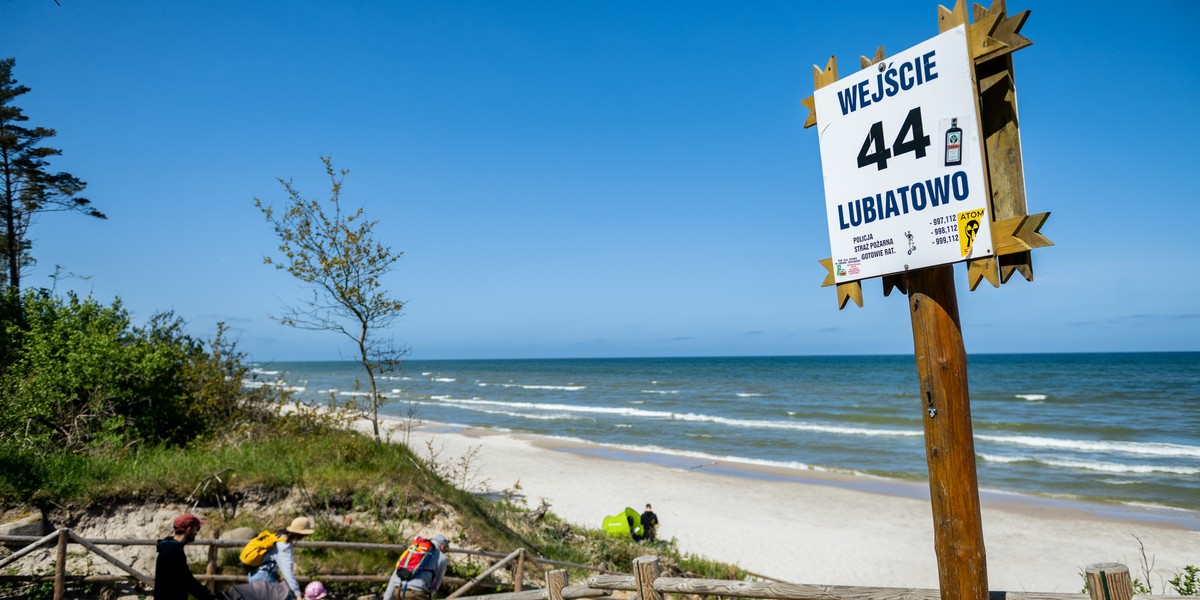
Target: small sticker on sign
<point>969,223</point>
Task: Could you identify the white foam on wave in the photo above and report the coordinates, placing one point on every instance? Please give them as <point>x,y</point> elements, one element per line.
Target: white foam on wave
<point>1092,465</point>
<point>993,458</point>
<point>1032,397</point>
<point>553,388</point>
<point>258,371</point>
<point>1157,507</point>
<point>444,379</point>
<point>662,392</point>
<point>1106,467</point>
<point>1117,447</point>
<point>520,415</point>
<point>278,384</point>
<point>360,394</point>
<point>748,395</point>
<point>710,457</point>
<point>690,417</point>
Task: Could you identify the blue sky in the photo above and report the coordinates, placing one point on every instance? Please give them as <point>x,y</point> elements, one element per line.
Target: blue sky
<point>589,179</point>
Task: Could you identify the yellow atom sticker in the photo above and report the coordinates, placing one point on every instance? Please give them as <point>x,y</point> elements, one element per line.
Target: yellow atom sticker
<point>968,227</point>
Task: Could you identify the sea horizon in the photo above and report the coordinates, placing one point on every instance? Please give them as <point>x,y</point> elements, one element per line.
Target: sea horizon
<point>258,361</point>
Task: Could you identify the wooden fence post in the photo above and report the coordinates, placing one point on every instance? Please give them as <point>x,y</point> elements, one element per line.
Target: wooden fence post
<point>645,571</point>
<point>1109,581</point>
<point>949,445</point>
<point>556,580</point>
<point>519,575</point>
<point>60,565</point>
<point>211,568</point>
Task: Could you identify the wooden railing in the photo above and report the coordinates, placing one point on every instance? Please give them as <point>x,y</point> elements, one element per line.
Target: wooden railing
<point>1104,581</point>
<point>64,537</point>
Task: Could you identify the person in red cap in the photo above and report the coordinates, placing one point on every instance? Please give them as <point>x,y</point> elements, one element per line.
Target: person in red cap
<point>173,579</point>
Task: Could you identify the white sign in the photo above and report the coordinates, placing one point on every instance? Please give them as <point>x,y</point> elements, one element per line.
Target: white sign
<point>903,163</point>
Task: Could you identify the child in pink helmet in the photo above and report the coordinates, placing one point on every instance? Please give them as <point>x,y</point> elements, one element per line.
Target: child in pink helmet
<point>315,590</point>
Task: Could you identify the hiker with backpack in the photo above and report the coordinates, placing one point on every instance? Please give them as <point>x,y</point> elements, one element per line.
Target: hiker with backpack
<point>419,571</point>
<point>270,558</point>
<point>173,579</point>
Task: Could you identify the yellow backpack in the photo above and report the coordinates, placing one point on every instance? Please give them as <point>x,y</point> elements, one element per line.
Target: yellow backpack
<point>253,552</point>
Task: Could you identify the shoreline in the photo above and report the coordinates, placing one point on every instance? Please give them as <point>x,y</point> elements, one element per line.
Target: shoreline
<point>809,526</point>
<point>1181,518</point>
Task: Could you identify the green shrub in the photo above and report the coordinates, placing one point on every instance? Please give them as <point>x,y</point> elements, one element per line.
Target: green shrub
<point>78,375</point>
<point>80,385</point>
<point>1187,583</point>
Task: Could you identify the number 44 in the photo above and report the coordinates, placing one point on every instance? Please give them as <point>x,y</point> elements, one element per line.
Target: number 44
<point>911,138</point>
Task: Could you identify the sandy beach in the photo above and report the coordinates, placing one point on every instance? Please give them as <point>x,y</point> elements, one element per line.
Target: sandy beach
<point>814,527</point>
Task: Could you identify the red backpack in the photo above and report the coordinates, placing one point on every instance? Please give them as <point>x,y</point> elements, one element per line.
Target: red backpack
<point>414,559</point>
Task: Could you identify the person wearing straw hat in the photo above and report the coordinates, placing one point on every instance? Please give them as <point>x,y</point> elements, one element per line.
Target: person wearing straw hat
<point>173,579</point>
<point>279,564</point>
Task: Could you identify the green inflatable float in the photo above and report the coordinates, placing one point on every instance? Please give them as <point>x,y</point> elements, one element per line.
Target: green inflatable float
<point>627,524</point>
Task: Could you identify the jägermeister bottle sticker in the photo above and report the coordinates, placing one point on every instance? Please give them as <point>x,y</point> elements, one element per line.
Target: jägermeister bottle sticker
<point>953,144</point>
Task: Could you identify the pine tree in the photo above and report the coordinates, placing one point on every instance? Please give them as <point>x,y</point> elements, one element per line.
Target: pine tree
<point>30,188</point>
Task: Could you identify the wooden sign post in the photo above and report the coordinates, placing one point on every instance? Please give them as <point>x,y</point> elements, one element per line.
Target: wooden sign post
<point>953,194</point>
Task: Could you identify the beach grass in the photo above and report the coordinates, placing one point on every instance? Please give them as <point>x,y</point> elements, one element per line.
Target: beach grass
<point>337,472</point>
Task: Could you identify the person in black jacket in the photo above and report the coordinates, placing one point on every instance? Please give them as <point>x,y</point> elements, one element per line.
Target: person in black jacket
<point>173,579</point>
<point>649,525</point>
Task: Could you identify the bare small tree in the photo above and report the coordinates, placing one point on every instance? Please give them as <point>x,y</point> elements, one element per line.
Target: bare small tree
<point>336,254</point>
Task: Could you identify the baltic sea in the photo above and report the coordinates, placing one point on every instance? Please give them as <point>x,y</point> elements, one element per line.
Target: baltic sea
<point>1116,429</point>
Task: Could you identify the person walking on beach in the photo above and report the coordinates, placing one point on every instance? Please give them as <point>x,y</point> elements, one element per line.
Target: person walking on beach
<point>423,582</point>
<point>279,563</point>
<point>649,525</point>
<point>173,580</point>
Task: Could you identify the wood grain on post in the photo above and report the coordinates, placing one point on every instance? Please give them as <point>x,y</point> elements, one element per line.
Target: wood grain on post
<point>645,571</point>
<point>949,446</point>
<point>556,580</point>
<point>1002,140</point>
<point>1109,581</point>
<point>519,574</point>
<point>60,565</point>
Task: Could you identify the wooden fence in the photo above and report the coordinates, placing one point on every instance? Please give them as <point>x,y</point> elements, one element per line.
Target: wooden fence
<point>1104,581</point>
<point>62,538</point>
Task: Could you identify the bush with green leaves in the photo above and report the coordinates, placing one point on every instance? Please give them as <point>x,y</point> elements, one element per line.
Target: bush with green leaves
<point>78,376</point>
<point>1187,583</point>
